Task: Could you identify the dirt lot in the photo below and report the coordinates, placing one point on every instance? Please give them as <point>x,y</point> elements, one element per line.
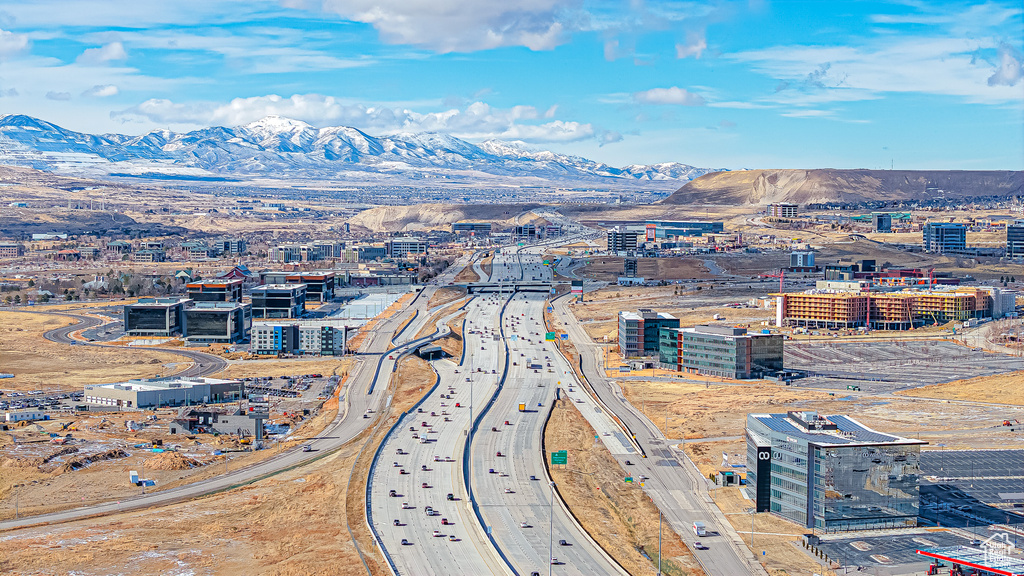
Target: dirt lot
<point>290,524</point>
<point>599,310</point>
<point>619,516</point>
<point>38,364</point>
<point>276,367</point>
<point>444,296</point>
<point>609,268</point>
<point>467,274</point>
<point>1000,389</point>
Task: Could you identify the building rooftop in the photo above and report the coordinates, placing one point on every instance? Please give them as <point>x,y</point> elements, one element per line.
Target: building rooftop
<point>217,305</point>
<point>155,384</point>
<point>822,430</point>
<point>279,287</point>
<point>160,302</point>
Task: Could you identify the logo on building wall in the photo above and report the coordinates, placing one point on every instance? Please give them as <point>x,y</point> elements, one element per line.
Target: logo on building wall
<point>764,455</point>
<point>996,546</point>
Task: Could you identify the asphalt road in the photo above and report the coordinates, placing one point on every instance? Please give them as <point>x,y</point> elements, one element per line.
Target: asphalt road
<point>676,487</point>
<point>437,463</point>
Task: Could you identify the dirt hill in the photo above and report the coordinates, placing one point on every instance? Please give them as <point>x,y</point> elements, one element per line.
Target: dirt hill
<point>847,186</point>
<point>439,216</point>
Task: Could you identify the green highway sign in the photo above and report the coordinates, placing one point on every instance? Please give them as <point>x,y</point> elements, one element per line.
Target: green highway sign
<point>629,479</point>
<point>550,336</point>
<point>560,457</point>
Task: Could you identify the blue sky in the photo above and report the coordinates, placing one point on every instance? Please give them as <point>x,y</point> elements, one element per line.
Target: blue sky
<point>735,84</point>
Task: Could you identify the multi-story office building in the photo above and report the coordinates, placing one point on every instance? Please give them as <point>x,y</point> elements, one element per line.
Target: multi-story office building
<point>370,253</point>
<point>832,473</point>
<point>319,285</point>
<point>215,290</point>
<point>274,338</point>
<point>664,229</point>
<point>639,331</point>
<point>525,232</point>
<point>405,247</point>
<point>782,210</point>
<point>881,221</point>
<point>298,338</point>
<point>1015,239</point>
<point>224,322</point>
<point>11,250</point>
<point>622,241</point>
<point>944,237</point>
<point>279,301</point>
<point>232,246</point>
<point>148,255</point>
<point>155,317</point>
<point>722,351</point>
<point>801,260</point>
<point>472,227</point>
<point>322,340</point>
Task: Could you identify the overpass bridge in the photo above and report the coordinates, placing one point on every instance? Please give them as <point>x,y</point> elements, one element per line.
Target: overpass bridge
<point>502,287</point>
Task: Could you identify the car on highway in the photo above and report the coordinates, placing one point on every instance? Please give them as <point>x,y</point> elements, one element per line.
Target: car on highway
<point>563,543</point>
<point>406,542</point>
<point>699,546</point>
<point>392,493</point>
<point>525,525</point>
<point>396,522</point>
<point>450,496</point>
<point>509,491</point>
<point>406,506</point>
<point>437,534</point>
<point>444,522</point>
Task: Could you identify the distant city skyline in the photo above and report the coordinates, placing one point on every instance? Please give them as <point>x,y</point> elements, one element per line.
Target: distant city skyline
<point>738,84</point>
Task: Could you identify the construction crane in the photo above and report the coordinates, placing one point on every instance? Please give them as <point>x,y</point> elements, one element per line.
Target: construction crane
<point>780,275</point>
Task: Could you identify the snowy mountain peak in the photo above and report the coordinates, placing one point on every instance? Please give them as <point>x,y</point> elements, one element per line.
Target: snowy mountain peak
<point>278,147</point>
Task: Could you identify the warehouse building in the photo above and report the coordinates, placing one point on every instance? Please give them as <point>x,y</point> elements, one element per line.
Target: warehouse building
<point>725,351</point>
<point>279,301</point>
<point>215,291</point>
<point>224,322</point>
<point>942,237</point>
<point>155,317</point>
<point>639,331</point>
<point>832,473</point>
<point>157,392</point>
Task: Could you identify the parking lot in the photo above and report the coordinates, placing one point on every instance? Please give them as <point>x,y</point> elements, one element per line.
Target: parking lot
<point>890,366</point>
<point>888,553</point>
<point>972,488</point>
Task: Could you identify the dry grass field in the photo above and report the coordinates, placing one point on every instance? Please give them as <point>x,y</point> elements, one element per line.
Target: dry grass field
<point>619,516</point>
<point>38,364</point>
<point>609,268</point>
<point>1000,389</point>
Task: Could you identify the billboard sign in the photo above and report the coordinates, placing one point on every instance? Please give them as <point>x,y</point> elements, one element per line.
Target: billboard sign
<point>577,287</point>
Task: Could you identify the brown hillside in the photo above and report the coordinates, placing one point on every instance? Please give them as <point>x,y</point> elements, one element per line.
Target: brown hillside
<point>851,186</point>
<point>440,216</point>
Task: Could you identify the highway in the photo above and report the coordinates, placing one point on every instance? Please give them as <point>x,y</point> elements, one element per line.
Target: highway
<point>674,484</point>
<point>518,490</point>
<point>372,364</point>
<point>432,455</point>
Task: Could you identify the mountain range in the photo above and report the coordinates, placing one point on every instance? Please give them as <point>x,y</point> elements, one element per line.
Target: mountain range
<point>285,149</point>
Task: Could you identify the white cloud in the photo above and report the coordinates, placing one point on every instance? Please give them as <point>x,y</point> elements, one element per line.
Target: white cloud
<point>475,121</point>
<point>673,95</point>
<point>927,65</point>
<point>12,44</point>
<point>103,54</point>
<point>809,114</point>
<point>101,91</point>
<point>1010,69</point>
<point>59,96</point>
<point>696,44</point>
<point>461,25</point>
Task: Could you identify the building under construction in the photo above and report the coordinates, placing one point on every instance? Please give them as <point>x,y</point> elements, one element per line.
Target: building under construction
<point>839,310</point>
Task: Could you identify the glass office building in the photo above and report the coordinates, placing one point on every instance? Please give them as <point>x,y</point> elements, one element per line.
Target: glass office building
<point>832,473</point>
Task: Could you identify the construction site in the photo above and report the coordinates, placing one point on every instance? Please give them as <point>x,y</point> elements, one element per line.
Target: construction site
<point>903,310</point>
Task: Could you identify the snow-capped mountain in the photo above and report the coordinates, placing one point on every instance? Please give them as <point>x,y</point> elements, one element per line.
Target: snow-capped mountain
<point>281,148</point>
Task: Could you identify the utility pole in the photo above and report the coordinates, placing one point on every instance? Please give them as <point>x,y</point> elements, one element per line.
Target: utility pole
<point>660,519</point>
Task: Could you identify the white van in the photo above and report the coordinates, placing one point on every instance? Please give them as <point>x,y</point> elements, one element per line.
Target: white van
<point>699,529</point>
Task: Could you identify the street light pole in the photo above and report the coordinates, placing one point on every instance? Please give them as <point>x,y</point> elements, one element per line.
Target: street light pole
<point>660,520</point>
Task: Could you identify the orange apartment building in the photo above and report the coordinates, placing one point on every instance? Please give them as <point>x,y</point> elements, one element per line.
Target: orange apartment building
<point>880,311</point>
